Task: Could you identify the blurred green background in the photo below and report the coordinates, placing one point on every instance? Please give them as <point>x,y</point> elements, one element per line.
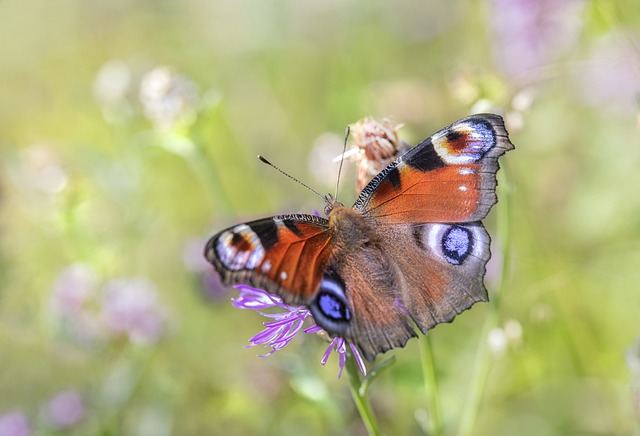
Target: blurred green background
<point>128,133</point>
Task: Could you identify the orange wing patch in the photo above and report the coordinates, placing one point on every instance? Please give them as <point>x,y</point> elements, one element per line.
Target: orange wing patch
<point>297,261</point>
<point>446,194</point>
<point>285,255</point>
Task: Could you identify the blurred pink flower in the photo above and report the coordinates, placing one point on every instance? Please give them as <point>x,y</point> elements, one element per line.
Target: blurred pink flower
<point>14,424</point>
<point>194,261</point>
<point>130,307</point>
<point>65,409</point>
<point>192,257</point>
<point>494,267</point>
<point>530,34</point>
<point>611,79</point>
<point>73,298</point>
<point>75,285</point>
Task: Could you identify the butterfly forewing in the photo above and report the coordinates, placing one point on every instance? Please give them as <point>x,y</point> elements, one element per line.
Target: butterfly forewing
<point>285,255</point>
<point>448,177</point>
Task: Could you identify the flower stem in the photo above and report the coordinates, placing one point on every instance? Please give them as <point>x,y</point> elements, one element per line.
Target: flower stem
<point>482,367</point>
<point>360,398</point>
<point>483,359</point>
<point>431,386</point>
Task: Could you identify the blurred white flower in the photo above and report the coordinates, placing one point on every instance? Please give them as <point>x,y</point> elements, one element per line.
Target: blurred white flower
<point>320,160</point>
<point>40,169</point>
<point>65,409</point>
<point>633,359</point>
<point>542,313</point>
<point>513,331</point>
<point>14,424</point>
<point>498,341</point>
<point>169,99</point>
<point>131,308</point>
<point>484,105</point>
<point>112,83</point>
<point>501,338</point>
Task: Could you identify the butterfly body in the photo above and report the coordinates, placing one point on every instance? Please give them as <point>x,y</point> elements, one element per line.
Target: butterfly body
<point>410,251</point>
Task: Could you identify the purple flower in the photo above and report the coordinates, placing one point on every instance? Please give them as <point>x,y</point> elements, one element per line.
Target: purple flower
<point>131,308</point>
<point>14,424</point>
<point>286,325</point>
<point>339,345</point>
<point>65,409</point>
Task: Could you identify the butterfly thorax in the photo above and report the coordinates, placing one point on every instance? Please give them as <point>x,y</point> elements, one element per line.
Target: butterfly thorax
<point>348,227</point>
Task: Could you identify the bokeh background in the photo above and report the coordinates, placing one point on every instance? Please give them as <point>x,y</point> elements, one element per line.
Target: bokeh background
<point>128,133</point>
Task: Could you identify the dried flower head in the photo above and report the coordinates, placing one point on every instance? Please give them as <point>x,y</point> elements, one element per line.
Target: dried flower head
<point>377,145</point>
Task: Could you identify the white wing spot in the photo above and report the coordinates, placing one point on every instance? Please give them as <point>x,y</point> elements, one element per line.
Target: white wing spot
<point>266,266</point>
<point>283,275</point>
<point>462,188</point>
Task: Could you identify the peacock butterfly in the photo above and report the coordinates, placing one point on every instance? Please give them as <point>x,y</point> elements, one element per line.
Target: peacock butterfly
<point>411,250</point>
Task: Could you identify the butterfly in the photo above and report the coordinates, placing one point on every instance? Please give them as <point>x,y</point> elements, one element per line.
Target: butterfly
<point>411,250</point>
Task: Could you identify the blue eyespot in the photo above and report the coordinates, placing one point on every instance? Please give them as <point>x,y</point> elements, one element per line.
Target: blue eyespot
<point>330,307</point>
<point>333,308</point>
<point>457,244</point>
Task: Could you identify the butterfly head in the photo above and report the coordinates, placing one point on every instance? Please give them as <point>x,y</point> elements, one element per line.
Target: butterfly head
<point>330,203</point>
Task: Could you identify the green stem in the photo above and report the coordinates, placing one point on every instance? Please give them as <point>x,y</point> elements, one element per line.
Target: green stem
<point>208,172</point>
<point>483,358</point>
<point>362,401</point>
<point>431,386</point>
<point>479,378</point>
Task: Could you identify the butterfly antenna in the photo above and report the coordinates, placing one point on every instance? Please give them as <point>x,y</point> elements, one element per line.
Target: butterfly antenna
<point>289,175</point>
<point>344,149</point>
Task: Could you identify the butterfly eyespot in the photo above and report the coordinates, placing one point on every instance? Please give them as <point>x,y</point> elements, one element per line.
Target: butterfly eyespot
<point>239,248</point>
<point>465,142</point>
<point>457,244</point>
<point>330,308</point>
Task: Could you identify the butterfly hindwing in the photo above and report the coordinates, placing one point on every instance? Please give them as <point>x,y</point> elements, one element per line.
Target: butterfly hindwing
<point>448,177</point>
<point>407,274</point>
<point>443,267</point>
<point>364,283</point>
<point>284,255</point>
